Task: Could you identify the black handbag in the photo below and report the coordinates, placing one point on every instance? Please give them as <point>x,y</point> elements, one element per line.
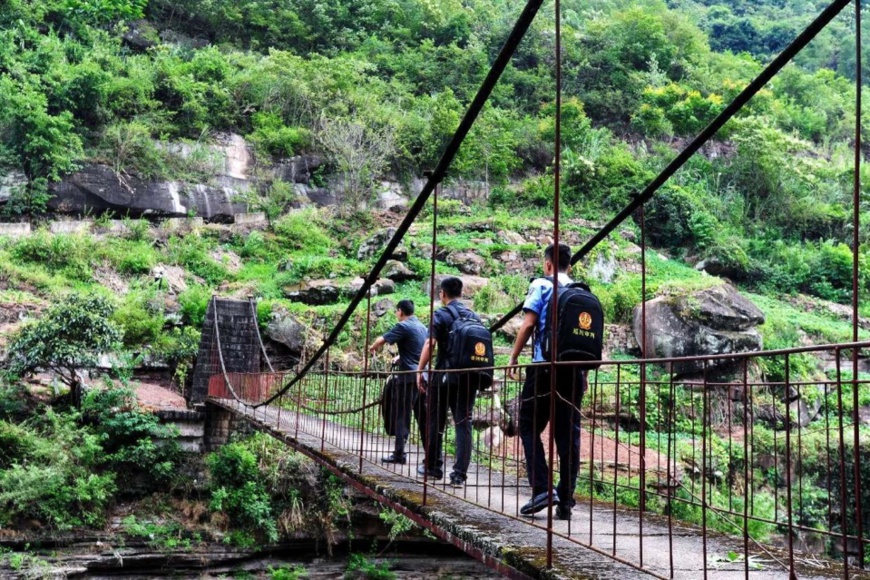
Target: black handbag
<point>388,409</point>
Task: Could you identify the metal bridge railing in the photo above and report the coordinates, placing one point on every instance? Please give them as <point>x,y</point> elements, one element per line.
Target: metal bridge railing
<point>769,456</point>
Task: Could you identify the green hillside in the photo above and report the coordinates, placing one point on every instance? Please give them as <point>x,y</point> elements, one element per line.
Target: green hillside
<point>124,83</point>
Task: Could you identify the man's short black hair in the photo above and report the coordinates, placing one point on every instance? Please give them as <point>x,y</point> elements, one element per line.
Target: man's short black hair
<point>564,256</point>
<point>452,287</point>
<point>406,306</point>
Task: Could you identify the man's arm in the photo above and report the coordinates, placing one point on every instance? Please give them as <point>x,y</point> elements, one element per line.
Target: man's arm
<point>425,356</point>
<point>530,322</point>
<point>377,344</point>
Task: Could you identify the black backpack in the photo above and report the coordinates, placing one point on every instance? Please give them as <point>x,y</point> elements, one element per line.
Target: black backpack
<point>469,346</point>
<point>580,331</point>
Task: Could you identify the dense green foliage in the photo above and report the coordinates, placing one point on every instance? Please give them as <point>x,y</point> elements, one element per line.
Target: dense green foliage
<point>379,87</point>
<point>64,469</point>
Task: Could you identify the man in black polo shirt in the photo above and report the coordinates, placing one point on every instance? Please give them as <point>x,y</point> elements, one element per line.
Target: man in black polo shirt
<point>408,334</point>
<point>446,390</point>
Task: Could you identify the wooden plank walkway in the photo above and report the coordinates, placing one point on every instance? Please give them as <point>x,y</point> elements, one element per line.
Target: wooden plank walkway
<point>483,519</point>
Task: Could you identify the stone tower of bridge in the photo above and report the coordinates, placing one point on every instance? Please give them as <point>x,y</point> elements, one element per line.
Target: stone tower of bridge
<point>239,343</point>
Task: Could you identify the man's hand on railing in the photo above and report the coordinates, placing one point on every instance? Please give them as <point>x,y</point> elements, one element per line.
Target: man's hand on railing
<point>513,369</point>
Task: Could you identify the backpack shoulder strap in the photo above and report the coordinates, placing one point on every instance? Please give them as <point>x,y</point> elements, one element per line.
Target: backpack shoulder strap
<point>453,312</point>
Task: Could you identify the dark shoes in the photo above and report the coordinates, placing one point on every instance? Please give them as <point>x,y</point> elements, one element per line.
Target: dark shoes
<point>393,458</point>
<point>431,473</point>
<point>456,481</point>
<point>563,512</point>
<point>538,503</point>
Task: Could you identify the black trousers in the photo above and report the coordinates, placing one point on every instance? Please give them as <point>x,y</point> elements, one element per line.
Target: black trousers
<point>534,417</point>
<point>407,399</point>
<point>459,397</point>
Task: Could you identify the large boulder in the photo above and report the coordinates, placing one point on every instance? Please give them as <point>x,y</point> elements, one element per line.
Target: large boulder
<point>467,262</point>
<point>375,243</point>
<point>314,292</point>
<point>97,189</point>
<point>398,272</point>
<point>286,329</point>
<point>708,322</point>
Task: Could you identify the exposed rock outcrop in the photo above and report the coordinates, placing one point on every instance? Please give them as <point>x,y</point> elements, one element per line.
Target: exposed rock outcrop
<point>375,243</point>
<point>97,188</point>
<point>709,322</point>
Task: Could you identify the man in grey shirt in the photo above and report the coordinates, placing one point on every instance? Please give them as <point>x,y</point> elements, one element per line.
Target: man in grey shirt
<point>409,335</point>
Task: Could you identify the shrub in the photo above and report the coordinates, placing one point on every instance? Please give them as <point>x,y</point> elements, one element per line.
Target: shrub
<point>302,230</point>
<point>139,318</point>
<point>238,489</point>
<point>194,303</point>
<point>50,473</point>
<point>135,443</point>
<point>273,137</point>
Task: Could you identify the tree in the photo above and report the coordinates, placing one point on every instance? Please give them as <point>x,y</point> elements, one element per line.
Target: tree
<point>359,153</point>
<point>69,338</point>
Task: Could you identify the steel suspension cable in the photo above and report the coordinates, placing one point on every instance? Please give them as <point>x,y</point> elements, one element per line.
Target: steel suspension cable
<point>756,85</point>
<point>513,40</point>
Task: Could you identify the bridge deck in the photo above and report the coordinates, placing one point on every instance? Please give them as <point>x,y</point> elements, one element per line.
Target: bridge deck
<point>483,517</point>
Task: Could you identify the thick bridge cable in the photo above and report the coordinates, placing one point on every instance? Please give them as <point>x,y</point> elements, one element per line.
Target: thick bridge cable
<point>762,79</point>
<point>498,67</point>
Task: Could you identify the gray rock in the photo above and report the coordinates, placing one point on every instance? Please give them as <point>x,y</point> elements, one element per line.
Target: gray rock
<point>11,182</point>
<point>140,36</point>
<point>511,328</point>
<point>379,288</point>
<point>709,322</point>
<point>383,307</point>
<point>511,238</point>
<point>375,244</point>
<point>298,169</point>
<point>390,196</point>
<point>398,272</point>
<point>288,331</point>
<point>314,292</point>
<point>467,262</point>
<point>318,196</point>
<point>96,188</point>
<point>604,268</point>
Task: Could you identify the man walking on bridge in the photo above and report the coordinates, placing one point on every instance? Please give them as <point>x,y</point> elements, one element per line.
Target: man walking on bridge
<point>408,334</point>
<point>443,390</point>
<point>535,398</point>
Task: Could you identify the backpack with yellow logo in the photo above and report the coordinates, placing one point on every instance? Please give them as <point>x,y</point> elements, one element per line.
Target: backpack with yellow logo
<point>580,330</point>
<point>469,346</point>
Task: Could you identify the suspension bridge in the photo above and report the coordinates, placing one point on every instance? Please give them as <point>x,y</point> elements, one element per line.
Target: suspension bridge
<point>640,484</point>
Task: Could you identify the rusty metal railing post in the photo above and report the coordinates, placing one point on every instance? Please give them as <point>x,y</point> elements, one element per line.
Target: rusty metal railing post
<point>642,394</point>
<point>788,499</point>
<point>325,410</point>
<point>362,429</point>
<point>705,433</point>
<point>554,300</point>
<point>427,408</point>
